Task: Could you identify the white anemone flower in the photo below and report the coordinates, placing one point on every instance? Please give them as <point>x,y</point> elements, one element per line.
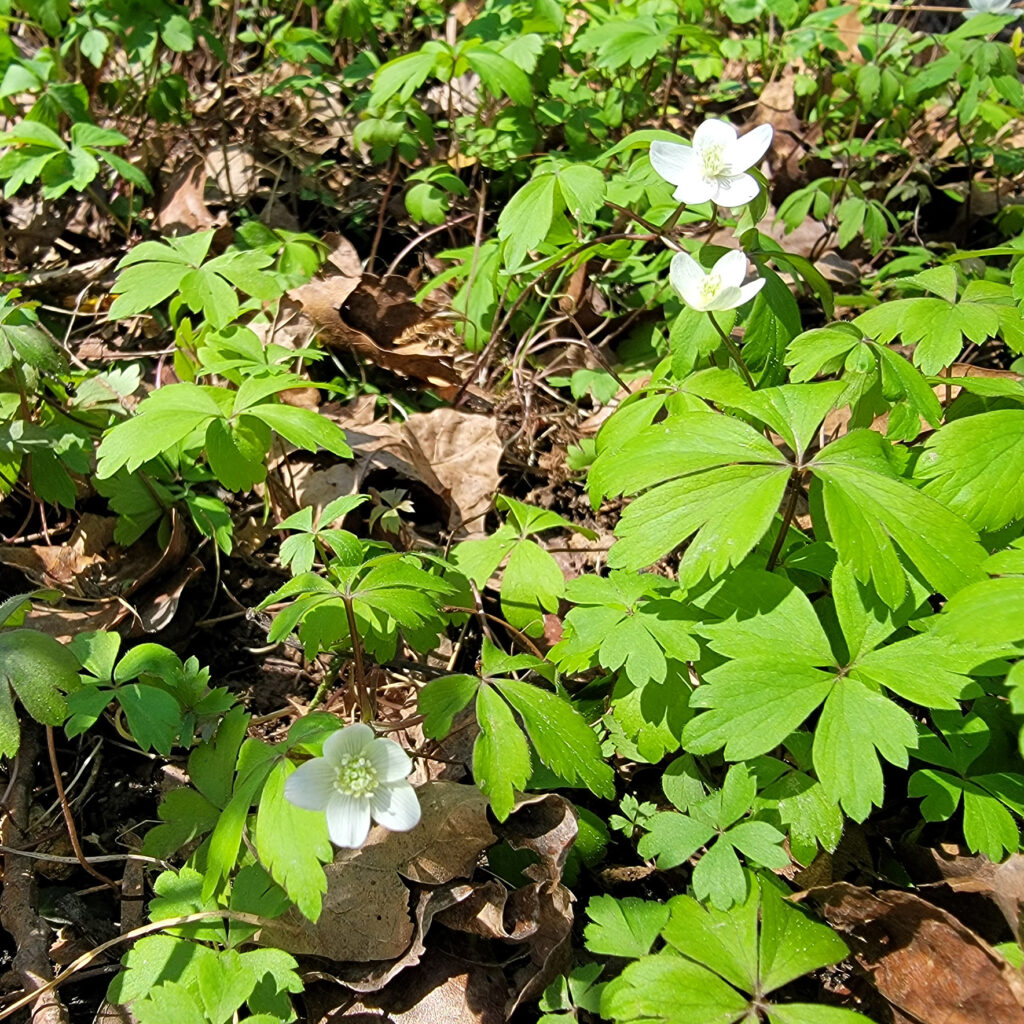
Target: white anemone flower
<point>715,166</point>
<point>359,777</point>
<point>719,288</point>
<point>988,6</point>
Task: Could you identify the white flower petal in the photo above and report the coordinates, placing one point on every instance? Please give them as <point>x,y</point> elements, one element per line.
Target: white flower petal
<point>695,190</point>
<point>686,276</point>
<point>731,268</point>
<point>728,298</point>
<point>349,740</point>
<point>348,820</point>
<point>714,132</point>
<point>675,163</point>
<point>312,785</point>
<point>747,150</point>
<point>396,807</point>
<point>389,759</point>
<point>737,190</point>
<point>749,290</point>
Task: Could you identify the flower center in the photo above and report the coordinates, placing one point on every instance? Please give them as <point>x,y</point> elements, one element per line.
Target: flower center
<point>712,157</point>
<point>710,287</point>
<point>356,775</point>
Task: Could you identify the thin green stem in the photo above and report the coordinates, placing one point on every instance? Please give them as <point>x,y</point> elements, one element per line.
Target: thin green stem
<point>367,701</point>
<point>733,351</point>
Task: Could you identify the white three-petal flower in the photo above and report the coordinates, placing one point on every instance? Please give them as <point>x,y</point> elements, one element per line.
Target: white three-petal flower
<point>719,288</point>
<point>714,167</point>
<point>359,778</point>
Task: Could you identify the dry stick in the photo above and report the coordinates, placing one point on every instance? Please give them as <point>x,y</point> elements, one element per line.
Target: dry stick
<point>68,818</point>
<point>52,858</point>
<point>136,933</point>
<point>382,214</point>
<point>496,334</point>
<point>17,911</point>
<point>517,633</point>
<point>421,238</point>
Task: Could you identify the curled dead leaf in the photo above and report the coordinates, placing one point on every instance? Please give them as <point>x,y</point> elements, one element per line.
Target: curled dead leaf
<point>447,457</point>
<point>923,960</point>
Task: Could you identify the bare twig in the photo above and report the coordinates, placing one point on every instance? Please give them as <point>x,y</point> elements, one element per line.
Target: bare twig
<point>17,909</point>
<point>68,817</point>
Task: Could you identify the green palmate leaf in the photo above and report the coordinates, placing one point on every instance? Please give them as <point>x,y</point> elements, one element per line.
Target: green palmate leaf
<point>626,928</point>
<point>755,705</point>
<point>169,1002</point>
<point>163,419</point>
<point>702,474</point>
<point>671,989</point>
<point>855,722</point>
<point>936,326</point>
<point>499,74</point>
<point>988,617</point>
<point>501,755</point>
<point>154,716</point>
<point>647,720</point>
<point>305,429</point>
<point>39,671</point>
<point>975,466</point>
<point>718,875</point>
<point>990,800</point>
<point>790,943</point>
<point>255,761</point>
<point>293,844</point>
<point>804,807</point>
<point>723,941</point>
<point>526,220</point>
<point>756,700</point>
<point>442,699</point>
<point>479,559</point>
<point>582,187</point>
<point>872,515</point>
<point>404,75</point>
<point>155,959</point>
<point>561,736</point>
<point>673,838</point>
<point>532,585</point>
<point>721,964</point>
<point>224,984</point>
<point>186,815</point>
<point>236,451</point>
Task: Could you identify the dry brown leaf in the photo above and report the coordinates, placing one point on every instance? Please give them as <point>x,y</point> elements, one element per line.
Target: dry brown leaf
<point>366,908</point>
<point>64,565</point>
<point>369,318</point>
<point>923,960</point>
<point>447,457</point>
<point>538,915</point>
<point>182,207</point>
<point>457,832</point>
<point>232,172</point>
<point>444,988</point>
<point>1002,883</point>
<point>144,584</point>
<point>365,916</point>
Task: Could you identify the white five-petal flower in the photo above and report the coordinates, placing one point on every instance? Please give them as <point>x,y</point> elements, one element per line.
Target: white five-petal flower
<point>358,778</point>
<point>715,166</point>
<point>719,288</point>
<point>989,6</point>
